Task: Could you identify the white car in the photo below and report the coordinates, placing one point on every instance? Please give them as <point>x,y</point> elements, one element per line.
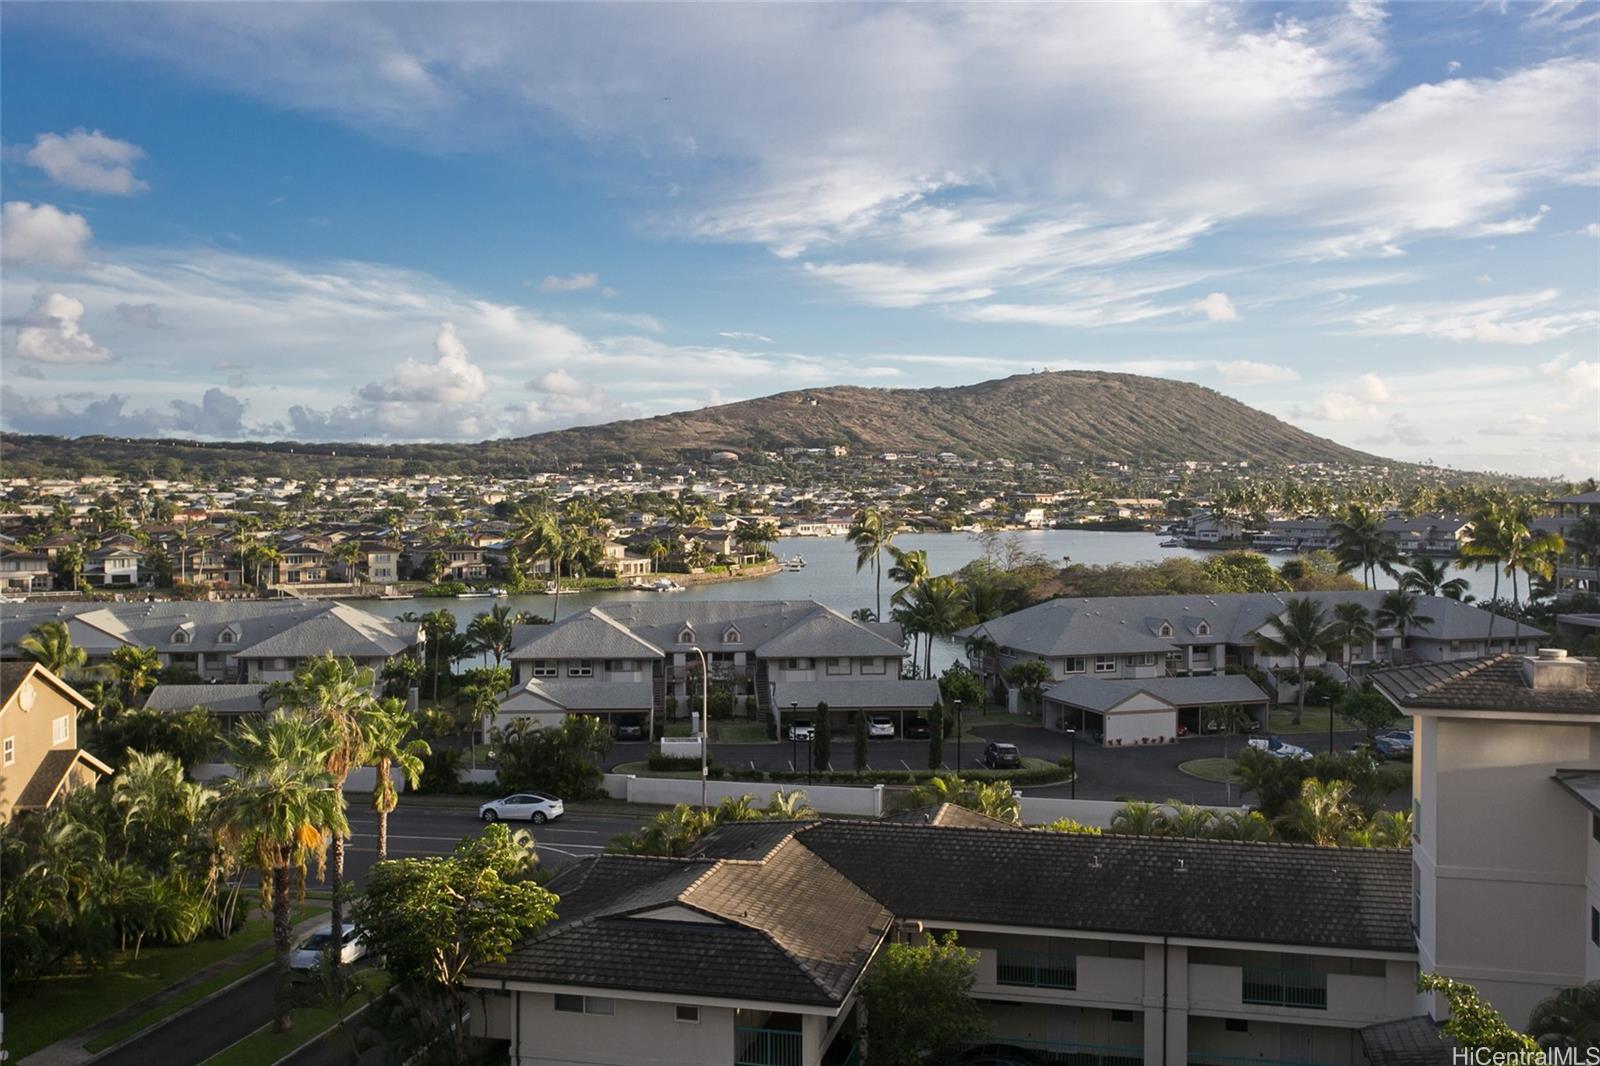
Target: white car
<point>535,807</point>
<point>880,725</point>
<point>1277,747</point>
<point>800,729</point>
<point>310,951</point>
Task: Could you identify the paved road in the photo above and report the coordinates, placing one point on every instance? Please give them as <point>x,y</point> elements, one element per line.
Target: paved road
<point>414,830</point>
<point>884,754</point>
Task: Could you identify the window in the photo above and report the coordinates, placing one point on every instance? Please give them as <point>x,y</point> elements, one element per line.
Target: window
<point>797,664</point>
<point>586,1004</point>
<point>1203,629</point>
<point>59,730</point>
<point>621,666</point>
<point>838,666</point>
<point>1166,630</point>
<point>1145,659</point>
<point>10,751</point>
<point>874,666</point>
<point>689,1015</point>
<point>1074,664</point>
<point>1236,1025</point>
<point>685,635</point>
<point>580,668</point>
<point>227,637</point>
<point>1036,969</point>
<point>180,637</point>
<point>1105,664</point>
<point>1122,1015</point>
<point>731,636</point>
<point>543,668</point>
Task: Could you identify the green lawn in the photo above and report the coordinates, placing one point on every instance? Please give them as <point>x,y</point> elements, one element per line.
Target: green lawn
<point>1211,769</point>
<point>188,996</point>
<point>264,1047</point>
<point>740,733</point>
<point>1315,720</point>
<point>60,1006</point>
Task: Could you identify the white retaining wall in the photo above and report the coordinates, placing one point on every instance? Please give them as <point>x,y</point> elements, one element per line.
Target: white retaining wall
<point>361,779</point>
<point>829,799</point>
<point>1039,810</point>
<point>681,747</point>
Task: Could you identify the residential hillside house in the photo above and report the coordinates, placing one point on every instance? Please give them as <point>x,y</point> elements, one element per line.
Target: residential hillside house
<point>229,640</point>
<point>112,565</point>
<point>1506,818</point>
<point>619,562</point>
<point>1105,650</point>
<point>1429,534</point>
<point>40,760</point>
<point>633,657</point>
<point>24,571</point>
<point>1104,950</point>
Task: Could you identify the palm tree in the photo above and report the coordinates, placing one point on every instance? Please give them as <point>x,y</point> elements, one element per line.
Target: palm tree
<point>276,813</point>
<point>935,608</point>
<point>1359,543</point>
<point>1323,813</point>
<point>440,627</point>
<point>872,533</point>
<point>1139,818</point>
<point>910,569</point>
<point>69,560</point>
<point>1303,631</point>
<point>1187,820</point>
<point>50,645</point>
<point>1530,550</point>
<point>1431,577</point>
<point>1354,624</point>
<point>387,727</point>
<point>1398,610</point>
<point>659,552</point>
<point>349,553</point>
<point>789,805</point>
<point>337,694</point>
<point>136,668</point>
<point>1568,1019</point>
<point>1485,544</point>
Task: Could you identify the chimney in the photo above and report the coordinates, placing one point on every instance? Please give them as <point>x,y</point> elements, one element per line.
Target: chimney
<point>1552,671</point>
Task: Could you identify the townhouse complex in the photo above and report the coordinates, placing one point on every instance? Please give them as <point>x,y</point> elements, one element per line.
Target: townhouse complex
<point>39,755</point>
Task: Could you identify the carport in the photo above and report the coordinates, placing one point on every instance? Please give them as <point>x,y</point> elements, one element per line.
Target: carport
<point>898,698</point>
<point>1146,710</point>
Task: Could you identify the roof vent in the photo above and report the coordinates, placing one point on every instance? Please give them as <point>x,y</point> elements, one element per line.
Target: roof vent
<point>1552,671</point>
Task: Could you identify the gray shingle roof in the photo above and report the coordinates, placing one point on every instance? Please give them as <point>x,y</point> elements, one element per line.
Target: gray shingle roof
<point>889,694</point>
<point>590,634</point>
<point>588,695</point>
<point>1495,684</point>
<point>1407,1042</point>
<point>218,699</point>
<point>1099,695</point>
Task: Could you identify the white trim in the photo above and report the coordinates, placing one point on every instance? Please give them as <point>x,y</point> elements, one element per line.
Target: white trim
<point>508,985</point>
<point>1175,941</point>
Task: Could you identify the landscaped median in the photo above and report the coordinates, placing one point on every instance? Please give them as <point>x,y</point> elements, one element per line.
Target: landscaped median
<point>1033,772</point>
<point>265,1047</point>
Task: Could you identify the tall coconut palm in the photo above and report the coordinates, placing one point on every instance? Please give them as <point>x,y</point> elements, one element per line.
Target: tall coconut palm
<point>390,747</point>
<point>1354,625</point>
<point>909,570</point>
<point>1360,543</point>
<point>1486,544</point>
<point>872,533</point>
<point>1302,630</point>
<point>50,645</point>
<point>935,608</point>
<point>490,632</point>
<point>338,694</point>
<point>69,561</point>
<point>659,552</point>
<point>1431,577</point>
<point>276,814</point>
<point>1400,610</point>
<point>1530,550</point>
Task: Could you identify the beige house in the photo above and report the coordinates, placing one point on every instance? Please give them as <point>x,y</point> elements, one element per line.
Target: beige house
<point>40,760</point>
<point>1506,878</point>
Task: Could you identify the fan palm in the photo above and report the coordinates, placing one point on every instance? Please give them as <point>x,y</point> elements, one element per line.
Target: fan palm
<point>1303,630</point>
<point>388,729</point>
<point>50,645</point>
<point>276,814</point>
<point>872,533</point>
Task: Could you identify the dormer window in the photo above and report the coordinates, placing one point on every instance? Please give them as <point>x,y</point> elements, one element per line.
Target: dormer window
<point>1166,629</point>
<point>731,636</point>
<point>685,635</point>
<point>227,636</point>
<point>1203,629</point>
<point>180,637</point>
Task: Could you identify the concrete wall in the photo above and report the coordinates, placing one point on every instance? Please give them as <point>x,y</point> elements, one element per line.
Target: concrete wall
<point>829,799</point>
<point>681,747</point>
<point>639,1032</point>
<point>361,779</point>
<point>1134,727</point>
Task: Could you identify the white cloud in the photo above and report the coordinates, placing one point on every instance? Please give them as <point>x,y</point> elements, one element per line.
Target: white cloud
<point>1216,307</point>
<point>1592,230</point>
<point>1516,319</point>
<point>1245,372</point>
<point>741,335</point>
<point>1579,377</point>
<point>43,234</point>
<point>1452,66</point>
<point>50,333</point>
<point>1372,389</point>
<point>1354,401</point>
<point>560,382</point>
<point>571,283</point>
<point>218,416</point>
<point>1510,227</point>
<point>88,160</point>
<point>451,379</point>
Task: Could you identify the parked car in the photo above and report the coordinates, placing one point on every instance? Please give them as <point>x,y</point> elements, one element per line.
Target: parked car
<point>998,756</point>
<point>630,728</point>
<point>535,807</point>
<point>800,729</point>
<point>918,729</point>
<point>1392,745</point>
<point>1278,748</point>
<point>880,725</point>
<point>310,951</point>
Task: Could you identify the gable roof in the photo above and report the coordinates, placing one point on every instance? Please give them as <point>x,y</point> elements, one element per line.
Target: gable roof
<point>590,634</point>
<point>582,695</point>
<point>13,672</point>
<point>218,699</point>
<point>1098,694</point>
<point>1495,684</point>
<point>51,774</point>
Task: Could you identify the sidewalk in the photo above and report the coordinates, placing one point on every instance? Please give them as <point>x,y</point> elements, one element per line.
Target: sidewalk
<point>71,1050</point>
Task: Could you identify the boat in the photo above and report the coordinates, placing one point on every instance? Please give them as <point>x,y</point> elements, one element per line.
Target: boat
<point>1172,543</point>
<point>794,562</point>
<point>498,593</point>
<point>474,595</point>
<point>665,584</point>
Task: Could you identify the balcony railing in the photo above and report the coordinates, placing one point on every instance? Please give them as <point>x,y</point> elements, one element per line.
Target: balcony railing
<point>767,1047</point>
<point>1285,988</point>
<point>1070,1052</point>
<point>1036,969</point>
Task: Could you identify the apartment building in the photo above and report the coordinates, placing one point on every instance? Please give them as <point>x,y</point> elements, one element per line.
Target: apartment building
<point>40,760</point>
<point>231,640</point>
<point>1506,869</point>
<point>1102,950</point>
<point>1104,651</point>
<point>1577,519</point>
<point>791,655</point>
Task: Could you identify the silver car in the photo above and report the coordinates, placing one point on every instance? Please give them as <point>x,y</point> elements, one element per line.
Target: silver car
<point>535,807</point>
<point>310,951</point>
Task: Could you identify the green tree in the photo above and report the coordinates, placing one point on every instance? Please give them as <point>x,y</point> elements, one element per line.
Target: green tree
<point>1322,815</point>
<point>1400,611</point>
<point>275,814</point>
<point>936,736</point>
<point>1473,1023</point>
<point>1353,623</point>
<point>1302,630</point>
<point>1029,677</point>
<point>822,740</point>
<point>1360,543</point>
<point>391,746</point>
<point>1568,1019</point>
<point>872,533</point>
<point>1139,818</point>
<point>934,608</point>
<point>69,563</point>
<point>862,740</point>
<point>919,1003</point>
<point>1367,707</point>
<point>136,669</point>
<point>1431,577</point>
<point>432,919</point>
<point>50,645</point>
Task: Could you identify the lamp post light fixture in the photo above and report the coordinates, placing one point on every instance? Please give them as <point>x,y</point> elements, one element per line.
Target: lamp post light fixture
<point>1073,734</point>
<point>958,737</point>
<point>794,738</point>
<point>705,707</point>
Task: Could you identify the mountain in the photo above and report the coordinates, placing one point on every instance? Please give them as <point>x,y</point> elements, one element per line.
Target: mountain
<point>1050,417</point>
<point>1047,416</point>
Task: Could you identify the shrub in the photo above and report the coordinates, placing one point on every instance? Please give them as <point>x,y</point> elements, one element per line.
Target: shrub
<point>441,771</point>
<point>670,763</point>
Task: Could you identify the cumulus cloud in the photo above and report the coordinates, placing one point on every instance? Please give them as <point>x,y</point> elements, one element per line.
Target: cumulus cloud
<point>571,283</point>
<point>89,161</point>
<point>449,379</point>
<point>1216,307</point>
<point>1580,376</point>
<point>1246,372</point>
<point>218,415</point>
<point>51,333</point>
<point>1356,401</point>
<point>42,234</point>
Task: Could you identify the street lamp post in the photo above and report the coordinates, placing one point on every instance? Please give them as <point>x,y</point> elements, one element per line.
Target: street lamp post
<point>705,707</point>
<point>794,738</point>
<point>958,737</point>
<point>1073,734</point>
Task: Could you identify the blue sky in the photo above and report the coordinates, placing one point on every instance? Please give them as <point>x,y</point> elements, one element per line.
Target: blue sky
<point>451,222</point>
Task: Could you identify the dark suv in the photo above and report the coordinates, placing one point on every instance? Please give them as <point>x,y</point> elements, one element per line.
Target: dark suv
<point>918,729</point>
<point>631,728</point>
<point>998,756</point>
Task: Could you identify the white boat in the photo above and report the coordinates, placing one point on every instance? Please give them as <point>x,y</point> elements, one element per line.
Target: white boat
<point>665,584</point>
<point>1174,543</point>
<point>794,562</point>
<point>473,595</point>
<point>498,593</point>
